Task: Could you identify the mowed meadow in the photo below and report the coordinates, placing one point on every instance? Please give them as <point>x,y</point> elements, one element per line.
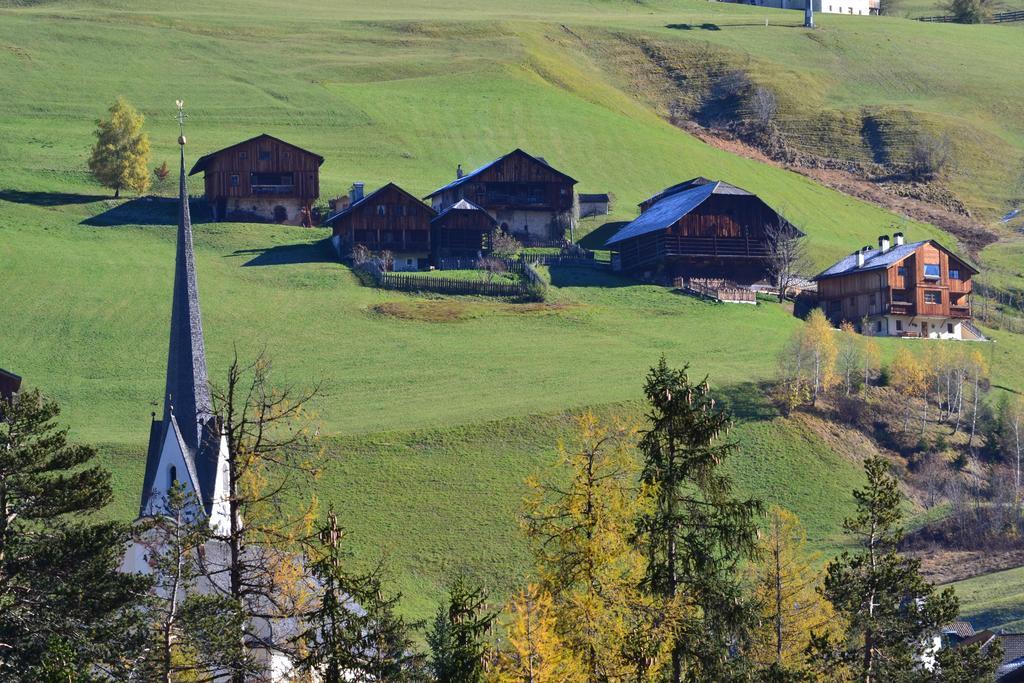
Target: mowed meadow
<point>433,410</point>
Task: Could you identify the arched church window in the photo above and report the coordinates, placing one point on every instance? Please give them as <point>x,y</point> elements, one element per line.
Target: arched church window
<point>172,476</point>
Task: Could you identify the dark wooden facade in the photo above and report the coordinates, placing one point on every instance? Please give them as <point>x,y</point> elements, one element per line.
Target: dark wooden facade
<point>389,219</point>
<point>10,384</point>
<point>461,230</point>
<point>516,189</point>
<point>929,285</point>
<point>264,169</point>
<point>723,235</point>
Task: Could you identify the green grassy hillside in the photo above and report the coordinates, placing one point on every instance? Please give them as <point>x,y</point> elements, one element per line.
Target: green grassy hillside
<point>435,410</point>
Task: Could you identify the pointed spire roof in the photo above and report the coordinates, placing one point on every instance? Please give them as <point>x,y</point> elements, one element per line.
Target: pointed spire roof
<point>188,408</point>
<point>187,393</point>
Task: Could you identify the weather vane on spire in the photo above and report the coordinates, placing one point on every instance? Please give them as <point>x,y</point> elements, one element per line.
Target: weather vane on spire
<point>181,121</point>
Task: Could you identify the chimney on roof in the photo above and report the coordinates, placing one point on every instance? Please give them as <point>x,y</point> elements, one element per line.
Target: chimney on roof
<point>898,238</point>
<point>458,171</point>
<point>860,258</point>
<point>356,193</point>
<point>883,243</point>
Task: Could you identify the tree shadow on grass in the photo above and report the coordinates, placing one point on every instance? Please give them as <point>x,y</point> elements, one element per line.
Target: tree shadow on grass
<point>49,198</point>
<point>690,27</point>
<point>148,211</point>
<point>587,276</point>
<point>747,401</point>
<point>595,240</point>
<point>288,254</point>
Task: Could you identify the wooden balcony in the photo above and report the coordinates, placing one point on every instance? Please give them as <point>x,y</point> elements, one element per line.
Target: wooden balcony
<point>674,245</point>
<point>900,308</point>
<point>274,190</point>
<point>962,312</point>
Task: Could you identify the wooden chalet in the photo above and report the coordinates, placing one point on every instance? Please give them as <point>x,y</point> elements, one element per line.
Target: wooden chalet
<point>523,193</point>
<point>463,229</point>
<point>10,384</point>
<point>917,289</point>
<point>263,179</point>
<point>389,219</point>
<point>699,228</point>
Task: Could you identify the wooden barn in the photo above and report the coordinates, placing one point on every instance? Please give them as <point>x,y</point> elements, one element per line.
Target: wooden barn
<point>699,228</point>
<point>523,193</point>
<point>463,229</point>
<point>10,384</point>
<point>261,179</point>
<point>920,289</point>
<point>389,219</point>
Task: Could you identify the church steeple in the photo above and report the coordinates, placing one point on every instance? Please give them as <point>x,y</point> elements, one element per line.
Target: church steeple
<point>186,445</point>
<point>187,392</point>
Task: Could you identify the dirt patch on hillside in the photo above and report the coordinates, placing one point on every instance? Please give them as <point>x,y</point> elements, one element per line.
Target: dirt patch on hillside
<point>940,208</point>
<point>448,311</point>
<point>945,566</point>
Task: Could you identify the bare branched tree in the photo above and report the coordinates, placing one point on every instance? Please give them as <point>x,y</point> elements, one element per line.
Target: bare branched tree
<point>787,256</point>
<point>273,457</point>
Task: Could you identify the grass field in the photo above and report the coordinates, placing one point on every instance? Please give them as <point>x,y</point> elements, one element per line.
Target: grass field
<point>435,409</point>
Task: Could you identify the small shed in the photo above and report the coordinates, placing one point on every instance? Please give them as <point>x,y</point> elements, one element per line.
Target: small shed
<point>10,384</point>
<point>594,204</point>
<point>463,229</point>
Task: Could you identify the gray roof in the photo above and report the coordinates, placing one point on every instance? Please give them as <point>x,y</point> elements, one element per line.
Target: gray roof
<point>464,205</point>
<point>475,172</point>
<point>723,188</point>
<point>593,197</point>
<point>664,212</point>
<point>963,629</point>
<point>187,404</point>
<point>873,260</point>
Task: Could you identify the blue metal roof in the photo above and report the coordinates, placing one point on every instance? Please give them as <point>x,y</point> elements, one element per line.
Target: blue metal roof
<point>664,213</point>
<point>873,260</point>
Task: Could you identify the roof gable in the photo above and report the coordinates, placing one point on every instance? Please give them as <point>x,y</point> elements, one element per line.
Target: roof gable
<point>464,206</point>
<point>202,161</point>
<point>497,162</point>
<point>875,259</point>
<point>390,187</point>
<point>664,213</point>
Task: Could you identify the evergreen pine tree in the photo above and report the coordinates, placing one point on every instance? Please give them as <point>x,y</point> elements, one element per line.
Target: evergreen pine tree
<point>353,633</point>
<point>893,614</point>
<point>62,598</point>
<point>697,531</point>
<point>457,636</point>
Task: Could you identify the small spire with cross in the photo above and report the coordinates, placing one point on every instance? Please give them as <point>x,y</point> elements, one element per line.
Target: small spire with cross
<point>181,121</point>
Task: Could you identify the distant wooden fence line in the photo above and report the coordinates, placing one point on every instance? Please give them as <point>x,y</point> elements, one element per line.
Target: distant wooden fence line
<point>997,18</point>
<point>718,291</point>
<point>532,284</point>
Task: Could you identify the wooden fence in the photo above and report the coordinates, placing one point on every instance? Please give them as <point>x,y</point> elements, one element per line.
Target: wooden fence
<point>717,290</point>
<point>528,286</point>
<point>997,18</point>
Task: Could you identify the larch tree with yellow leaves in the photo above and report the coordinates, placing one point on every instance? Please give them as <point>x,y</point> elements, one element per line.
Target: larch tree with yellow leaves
<point>532,650</point>
<point>786,588</point>
<point>580,532</point>
<point>120,157</point>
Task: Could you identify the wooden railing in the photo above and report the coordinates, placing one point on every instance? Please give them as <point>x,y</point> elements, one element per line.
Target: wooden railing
<point>673,245</point>
<point>719,290</point>
<point>997,18</point>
